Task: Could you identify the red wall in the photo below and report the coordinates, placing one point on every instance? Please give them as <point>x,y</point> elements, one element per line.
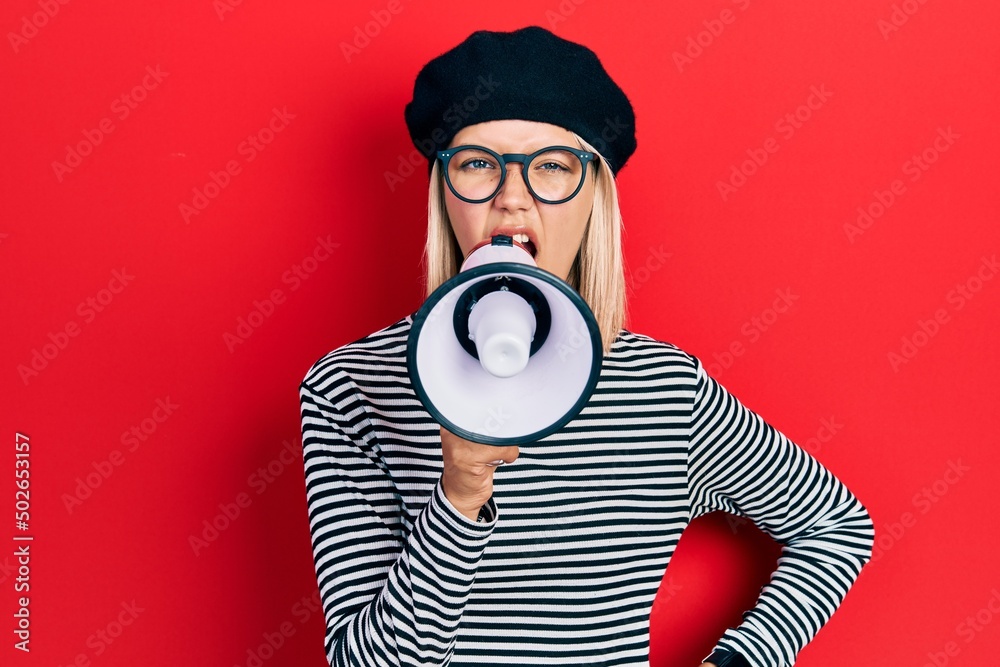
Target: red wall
<point>152,412</point>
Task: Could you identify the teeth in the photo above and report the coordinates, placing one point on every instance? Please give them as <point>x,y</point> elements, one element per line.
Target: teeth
<point>521,238</point>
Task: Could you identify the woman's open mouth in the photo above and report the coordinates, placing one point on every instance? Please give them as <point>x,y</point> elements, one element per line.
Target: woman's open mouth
<point>526,242</point>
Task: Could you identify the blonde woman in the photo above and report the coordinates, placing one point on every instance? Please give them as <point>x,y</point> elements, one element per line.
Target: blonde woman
<point>434,550</point>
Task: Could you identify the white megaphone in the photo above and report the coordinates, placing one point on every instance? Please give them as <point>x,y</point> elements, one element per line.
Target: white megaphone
<point>504,352</point>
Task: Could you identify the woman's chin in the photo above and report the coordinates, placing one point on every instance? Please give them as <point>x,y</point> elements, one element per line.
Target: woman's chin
<point>562,275</point>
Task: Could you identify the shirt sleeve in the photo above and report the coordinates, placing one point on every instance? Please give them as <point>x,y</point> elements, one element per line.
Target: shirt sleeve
<point>740,464</point>
<point>393,593</point>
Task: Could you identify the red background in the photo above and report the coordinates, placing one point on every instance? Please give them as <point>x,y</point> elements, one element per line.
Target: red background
<point>893,429</point>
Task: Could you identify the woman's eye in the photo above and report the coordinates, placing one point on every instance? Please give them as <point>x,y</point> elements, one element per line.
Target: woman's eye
<point>477,163</point>
<point>551,166</point>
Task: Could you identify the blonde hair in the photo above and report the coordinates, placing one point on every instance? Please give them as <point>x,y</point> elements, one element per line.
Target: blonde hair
<point>598,272</point>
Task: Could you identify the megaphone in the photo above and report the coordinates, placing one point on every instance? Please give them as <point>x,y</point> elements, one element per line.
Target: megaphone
<point>504,352</point>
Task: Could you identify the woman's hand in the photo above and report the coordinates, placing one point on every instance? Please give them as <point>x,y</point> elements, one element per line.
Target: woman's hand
<point>468,471</point>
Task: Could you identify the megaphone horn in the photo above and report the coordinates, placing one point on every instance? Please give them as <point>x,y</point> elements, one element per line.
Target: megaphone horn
<point>494,353</point>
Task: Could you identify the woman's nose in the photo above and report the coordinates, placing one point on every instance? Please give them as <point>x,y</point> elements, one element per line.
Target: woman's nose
<point>515,185</point>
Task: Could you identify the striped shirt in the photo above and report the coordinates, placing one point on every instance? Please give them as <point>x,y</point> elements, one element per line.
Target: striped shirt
<point>574,543</point>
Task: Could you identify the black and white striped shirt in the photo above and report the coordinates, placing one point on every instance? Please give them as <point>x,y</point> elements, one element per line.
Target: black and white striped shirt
<point>580,528</point>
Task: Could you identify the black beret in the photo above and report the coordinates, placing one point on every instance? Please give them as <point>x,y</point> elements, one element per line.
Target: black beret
<point>527,74</point>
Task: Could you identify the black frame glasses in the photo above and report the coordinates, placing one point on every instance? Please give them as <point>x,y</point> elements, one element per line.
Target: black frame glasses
<point>585,158</point>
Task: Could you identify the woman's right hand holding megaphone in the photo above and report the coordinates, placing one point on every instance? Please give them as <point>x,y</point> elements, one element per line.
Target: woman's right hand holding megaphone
<point>467,479</point>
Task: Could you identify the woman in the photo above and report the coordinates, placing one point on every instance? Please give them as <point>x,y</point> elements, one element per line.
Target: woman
<point>433,550</point>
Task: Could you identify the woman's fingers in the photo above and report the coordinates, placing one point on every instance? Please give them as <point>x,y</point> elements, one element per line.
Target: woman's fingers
<point>468,470</point>
<point>498,456</point>
<point>462,451</point>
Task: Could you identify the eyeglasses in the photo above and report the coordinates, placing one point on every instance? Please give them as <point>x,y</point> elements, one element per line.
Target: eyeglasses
<point>553,175</point>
